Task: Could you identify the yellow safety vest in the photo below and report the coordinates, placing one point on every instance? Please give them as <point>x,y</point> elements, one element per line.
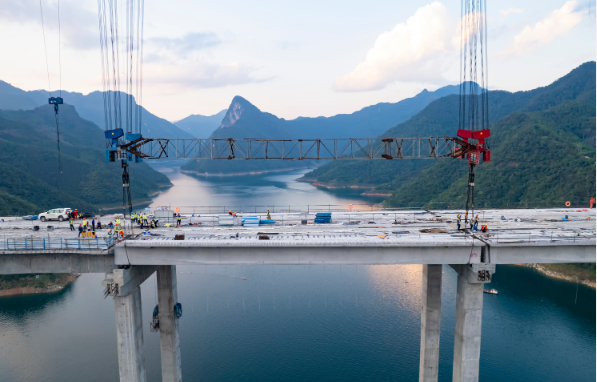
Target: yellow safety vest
<point>117,221</point>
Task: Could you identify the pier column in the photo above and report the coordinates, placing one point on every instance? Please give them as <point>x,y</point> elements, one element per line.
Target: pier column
<point>430,322</point>
<point>469,314</point>
<point>169,337</point>
<point>129,336</point>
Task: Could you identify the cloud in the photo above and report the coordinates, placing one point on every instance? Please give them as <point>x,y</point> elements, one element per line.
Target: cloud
<point>509,11</point>
<point>78,26</point>
<point>557,23</point>
<point>202,75</point>
<point>411,52</point>
<point>187,44</point>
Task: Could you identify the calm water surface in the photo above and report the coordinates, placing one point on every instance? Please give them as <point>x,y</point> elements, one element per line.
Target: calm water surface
<point>301,323</point>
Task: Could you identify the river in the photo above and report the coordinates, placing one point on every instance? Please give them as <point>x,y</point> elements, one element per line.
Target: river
<point>299,323</point>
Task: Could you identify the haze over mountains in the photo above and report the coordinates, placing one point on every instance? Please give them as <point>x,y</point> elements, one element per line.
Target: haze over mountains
<point>201,126</point>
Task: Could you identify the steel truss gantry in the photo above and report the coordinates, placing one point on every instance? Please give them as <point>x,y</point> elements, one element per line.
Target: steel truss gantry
<point>297,149</point>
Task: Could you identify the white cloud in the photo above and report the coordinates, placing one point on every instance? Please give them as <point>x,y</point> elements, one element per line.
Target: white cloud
<point>187,44</point>
<point>414,51</point>
<point>509,11</point>
<point>201,75</point>
<point>78,26</point>
<point>557,23</point>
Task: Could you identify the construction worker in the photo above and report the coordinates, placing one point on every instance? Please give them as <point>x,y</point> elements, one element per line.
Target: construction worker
<point>121,233</point>
<point>458,221</point>
<point>152,223</point>
<point>84,225</point>
<point>484,228</point>
<point>80,229</point>
<point>592,201</point>
<point>109,234</point>
<point>117,221</point>
<point>476,222</point>
<point>72,226</point>
<point>178,221</point>
<point>99,224</point>
<point>145,218</point>
<point>133,217</point>
<point>76,214</point>
<point>230,212</point>
<point>93,224</point>
<point>110,225</point>
<point>269,216</point>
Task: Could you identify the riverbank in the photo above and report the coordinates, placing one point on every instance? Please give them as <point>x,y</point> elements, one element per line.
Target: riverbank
<point>338,186</point>
<point>560,274</point>
<point>245,173</point>
<point>47,287</point>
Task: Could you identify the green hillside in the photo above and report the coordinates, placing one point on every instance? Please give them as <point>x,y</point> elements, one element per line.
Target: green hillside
<point>540,160</point>
<point>31,181</point>
<point>440,118</point>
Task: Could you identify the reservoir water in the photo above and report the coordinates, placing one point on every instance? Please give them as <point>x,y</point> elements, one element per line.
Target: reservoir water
<point>300,323</point>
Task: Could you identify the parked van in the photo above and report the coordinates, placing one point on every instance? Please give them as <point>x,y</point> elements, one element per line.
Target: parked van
<point>59,214</point>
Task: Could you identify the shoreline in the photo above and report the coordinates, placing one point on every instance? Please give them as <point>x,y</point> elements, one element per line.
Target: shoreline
<point>53,288</point>
<point>335,186</point>
<point>208,174</point>
<point>558,275</point>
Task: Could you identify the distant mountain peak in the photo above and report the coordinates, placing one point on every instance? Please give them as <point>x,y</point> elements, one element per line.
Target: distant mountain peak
<point>237,108</point>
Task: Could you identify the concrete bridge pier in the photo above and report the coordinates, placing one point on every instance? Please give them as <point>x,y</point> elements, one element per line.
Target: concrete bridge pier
<point>169,335</point>
<point>469,314</point>
<point>125,286</point>
<point>129,336</point>
<point>430,322</point>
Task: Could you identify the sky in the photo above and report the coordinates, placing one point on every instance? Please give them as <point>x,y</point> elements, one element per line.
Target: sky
<point>308,58</point>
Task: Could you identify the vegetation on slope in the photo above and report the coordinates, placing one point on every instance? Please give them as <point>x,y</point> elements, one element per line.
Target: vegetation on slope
<point>422,182</point>
<point>31,182</point>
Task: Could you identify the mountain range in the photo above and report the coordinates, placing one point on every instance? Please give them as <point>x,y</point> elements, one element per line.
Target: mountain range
<point>245,120</point>
<point>29,167</point>
<point>89,107</point>
<point>201,126</point>
<point>543,144</point>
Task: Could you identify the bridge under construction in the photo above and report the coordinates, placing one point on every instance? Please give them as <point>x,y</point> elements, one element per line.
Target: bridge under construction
<point>430,238</point>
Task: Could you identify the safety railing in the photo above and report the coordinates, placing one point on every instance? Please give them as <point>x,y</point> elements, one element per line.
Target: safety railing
<point>20,244</point>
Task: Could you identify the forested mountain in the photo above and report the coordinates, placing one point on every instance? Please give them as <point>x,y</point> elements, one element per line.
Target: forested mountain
<point>31,182</point>
<point>528,165</point>
<point>539,159</point>
<point>201,126</point>
<point>89,107</point>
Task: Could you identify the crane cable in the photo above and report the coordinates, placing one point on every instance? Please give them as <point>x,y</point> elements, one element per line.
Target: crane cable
<point>56,117</point>
<point>473,116</point>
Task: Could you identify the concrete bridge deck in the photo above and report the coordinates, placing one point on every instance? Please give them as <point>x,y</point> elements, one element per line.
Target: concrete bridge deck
<point>380,237</point>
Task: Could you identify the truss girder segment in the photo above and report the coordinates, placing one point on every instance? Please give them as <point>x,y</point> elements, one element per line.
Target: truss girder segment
<point>300,149</point>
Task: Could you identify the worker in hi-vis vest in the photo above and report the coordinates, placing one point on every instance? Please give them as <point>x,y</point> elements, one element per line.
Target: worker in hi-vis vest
<point>458,221</point>
<point>117,223</point>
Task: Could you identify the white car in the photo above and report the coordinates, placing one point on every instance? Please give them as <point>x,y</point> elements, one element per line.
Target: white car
<point>59,214</point>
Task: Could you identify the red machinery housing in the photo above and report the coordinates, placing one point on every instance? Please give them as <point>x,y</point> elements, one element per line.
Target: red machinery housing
<point>475,151</point>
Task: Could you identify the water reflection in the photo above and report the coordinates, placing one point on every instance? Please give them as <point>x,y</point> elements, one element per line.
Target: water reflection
<point>236,192</point>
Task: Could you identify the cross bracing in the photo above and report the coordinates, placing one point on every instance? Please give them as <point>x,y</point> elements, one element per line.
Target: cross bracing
<point>296,149</point>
